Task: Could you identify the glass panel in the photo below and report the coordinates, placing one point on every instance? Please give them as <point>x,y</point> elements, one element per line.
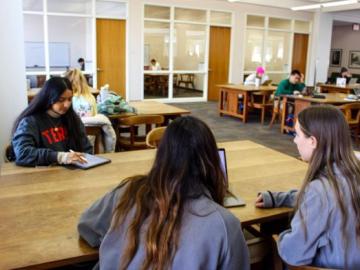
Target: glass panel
<point>302,26</point>
<point>70,6</point>
<point>112,9</point>
<point>156,45</point>
<point>277,77</point>
<point>193,15</point>
<point>220,17</point>
<point>279,23</point>
<point>34,42</point>
<point>257,21</point>
<point>277,51</point>
<point>156,12</point>
<point>70,38</point>
<point>189,47</point>
<point>33,82</point>
<point>156,86</point>
<point>188,85</point>
<point>33,5</point>
<point>253,49</point>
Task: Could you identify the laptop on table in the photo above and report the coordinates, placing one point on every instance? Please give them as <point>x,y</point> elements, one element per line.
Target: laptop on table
<point>231,198</point>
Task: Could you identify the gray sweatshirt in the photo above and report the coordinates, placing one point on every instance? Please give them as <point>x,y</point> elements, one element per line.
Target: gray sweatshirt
<point>324,244</point>
<point>210,237</point>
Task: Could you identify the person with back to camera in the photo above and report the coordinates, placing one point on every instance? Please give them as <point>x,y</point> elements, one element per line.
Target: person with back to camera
<point>172,217</point>
<point>48,131</point>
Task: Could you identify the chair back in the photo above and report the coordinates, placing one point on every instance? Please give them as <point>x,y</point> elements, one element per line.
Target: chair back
<point>97,132</point>
<point>352,113</point>
<point>154,137</point>
<point>134,140</point>
<point>9,154</point>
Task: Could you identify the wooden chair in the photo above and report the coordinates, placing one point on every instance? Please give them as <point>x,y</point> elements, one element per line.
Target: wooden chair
<point>153,138</point>
<point>187,79</point>
<point>97,132</point>
<point>134,141</point>
<point>352,116</point>
<point>9,154</point>
<point>276,113</point>
<point>261,100</point>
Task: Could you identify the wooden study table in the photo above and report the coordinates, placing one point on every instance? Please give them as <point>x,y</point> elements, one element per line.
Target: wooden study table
<point>40,207</point>
<point>229,98</point>
<point>153,107</point>
<point>302,102</point>
<point>333,88</point>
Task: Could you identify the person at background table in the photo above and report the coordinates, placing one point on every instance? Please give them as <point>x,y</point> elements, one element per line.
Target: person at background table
<point>84,104</point>
<point>81,63</point>
<point>295,82</point>
<point>173,217</point>
<point>325,230</point>
<point>260,75</point>
<point>48,130</point>
<point>345,73</point>
<point>154,65</point>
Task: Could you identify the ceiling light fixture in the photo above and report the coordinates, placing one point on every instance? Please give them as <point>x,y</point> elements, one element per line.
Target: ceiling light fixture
<point>339,3</point>
<point>328,4</point>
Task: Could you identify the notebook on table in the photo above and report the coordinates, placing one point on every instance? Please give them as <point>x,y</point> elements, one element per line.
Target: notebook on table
<point>231,198</point>
<point>92,161</point>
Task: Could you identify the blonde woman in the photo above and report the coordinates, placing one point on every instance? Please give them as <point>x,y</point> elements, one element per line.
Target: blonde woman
<point>84,104</point>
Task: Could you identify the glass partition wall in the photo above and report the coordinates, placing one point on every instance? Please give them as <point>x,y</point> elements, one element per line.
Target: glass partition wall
<point>176,42</point>
<point>269,43</point>
<point>57,33</point>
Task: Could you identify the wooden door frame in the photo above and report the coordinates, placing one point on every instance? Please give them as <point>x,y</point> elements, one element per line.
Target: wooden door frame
<point>229,61</point>
<point>127,79</point>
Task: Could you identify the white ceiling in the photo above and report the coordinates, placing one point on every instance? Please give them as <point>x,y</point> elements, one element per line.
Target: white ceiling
<point>295,3</point>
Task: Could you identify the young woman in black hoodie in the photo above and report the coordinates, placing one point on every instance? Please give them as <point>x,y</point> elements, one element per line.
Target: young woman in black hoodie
<point>48,131</point>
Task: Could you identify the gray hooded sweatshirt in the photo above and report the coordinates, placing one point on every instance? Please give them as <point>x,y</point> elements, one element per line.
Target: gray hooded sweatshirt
<point>323,246</point>
<point>210,237</point>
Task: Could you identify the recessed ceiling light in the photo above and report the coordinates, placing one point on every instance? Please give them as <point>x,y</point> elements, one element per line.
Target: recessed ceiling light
<point>328,4</point>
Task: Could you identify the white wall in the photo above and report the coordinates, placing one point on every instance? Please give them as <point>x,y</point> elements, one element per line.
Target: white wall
<point>348,40</point>
<point>238,33</point>
<point>12,68</point>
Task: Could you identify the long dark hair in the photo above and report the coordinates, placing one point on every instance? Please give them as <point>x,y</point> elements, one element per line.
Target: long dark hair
<point>334,147</point>
<point>187,165</point>
<point>48,95</point>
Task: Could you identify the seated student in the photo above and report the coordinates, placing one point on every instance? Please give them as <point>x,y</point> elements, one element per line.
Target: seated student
<point>345,73</point>
<point>81,63</point>
<point>325,230</point>
<point>84,104</point>
<point>48,130</point>
<point>154,65</point>
<point>294,83</point>
<point>260,74</point>
<point>173,217</point>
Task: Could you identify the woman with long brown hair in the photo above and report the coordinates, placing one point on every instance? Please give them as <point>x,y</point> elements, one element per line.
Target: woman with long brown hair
<point>173,217</point>
<point>325,230</point>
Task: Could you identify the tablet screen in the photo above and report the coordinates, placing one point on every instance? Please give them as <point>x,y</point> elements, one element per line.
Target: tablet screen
<point>92,161</point>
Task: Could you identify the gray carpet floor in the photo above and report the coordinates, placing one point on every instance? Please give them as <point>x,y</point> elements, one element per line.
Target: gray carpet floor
<point>228,128</point>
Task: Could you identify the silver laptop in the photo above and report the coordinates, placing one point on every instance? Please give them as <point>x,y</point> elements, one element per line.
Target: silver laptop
<point>353,80</point>
<point>231,199</point>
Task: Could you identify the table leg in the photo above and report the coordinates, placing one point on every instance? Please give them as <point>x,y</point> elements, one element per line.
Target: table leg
<point>283,114</point>
<point>221,102</point>
<point>245,106</point>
